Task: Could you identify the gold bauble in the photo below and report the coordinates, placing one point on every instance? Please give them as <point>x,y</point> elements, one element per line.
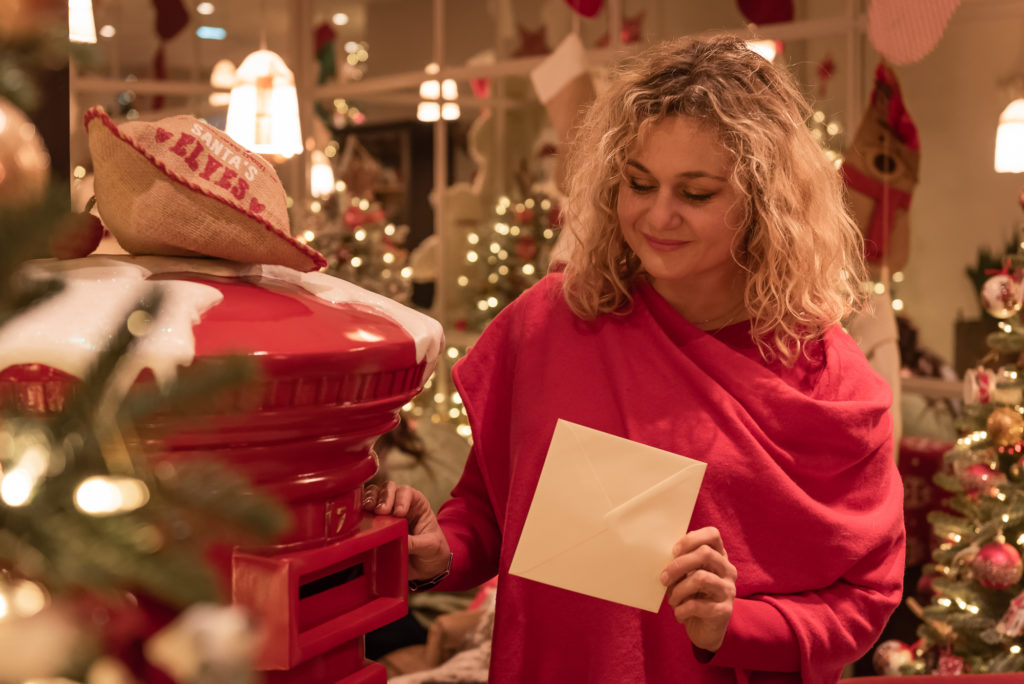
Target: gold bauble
<point>24,161</point>
<point>1005,426</point>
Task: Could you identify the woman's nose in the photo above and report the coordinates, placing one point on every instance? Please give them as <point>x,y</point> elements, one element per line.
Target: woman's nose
<point>663,213</point>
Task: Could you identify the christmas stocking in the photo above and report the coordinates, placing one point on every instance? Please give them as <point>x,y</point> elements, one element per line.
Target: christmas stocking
<point>564,87</point>
<point>880,171</point>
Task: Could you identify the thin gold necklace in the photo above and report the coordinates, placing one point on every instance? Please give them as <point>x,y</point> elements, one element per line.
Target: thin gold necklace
<point>731,316</point>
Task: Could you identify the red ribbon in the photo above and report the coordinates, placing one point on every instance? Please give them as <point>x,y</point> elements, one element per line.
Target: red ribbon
<point>876,242</point>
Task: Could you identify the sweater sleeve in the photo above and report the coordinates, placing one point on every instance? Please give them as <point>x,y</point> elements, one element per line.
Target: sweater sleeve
<point>471,529</point>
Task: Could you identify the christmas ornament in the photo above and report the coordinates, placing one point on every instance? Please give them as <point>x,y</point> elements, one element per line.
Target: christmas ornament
<point>890,656</point>
<point>979,385</point>
<point>880,172</point>
<point>904,31</point>
<point>24,161</point>
<point>1005,426</point>
<point>78,236</point>
<point>997,565</point>
<point>1012,622</point>
<point>223,200</point>
<point>1001,295</point>
<point>532,42</point>
<point>206,643</point>
<point>979,476</point>
<point>950,664</point>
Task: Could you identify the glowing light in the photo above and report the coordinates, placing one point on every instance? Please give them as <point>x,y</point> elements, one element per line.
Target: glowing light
<point>514,230</point>
<point>428,112</point>
<point>453,353</point>
<point>501,228</point>
<point>472,238</point>
<point>492,278</point>
<point>1009,156</point>
<point>454,413</point>
<point>456,398</point>
<point>108,31</point>
<point>463,281</point>
<point>439,398</point>
<point>264,112</point>
<point>449,89</point>
<point>503,255</point>
<point>27,598</point>
<point>528,269</point>
<point>388,258</point>
<point>205,8</point>
<point>897,304</point>
<point>81,24</point>
<point>482,305</point>
<point>472,257</point>
<point>364,204</point>
<point>211,33</point>
<point>879,288</point>
<point>464,431</point>
<point>356,262</point>
<point>389,229</point>
<point>79,172</point>
<point>315,207</point>
<point>973,609</point>
<point>495,248</point>
<point>107,495</point>
<point>321,175</point>
<point>528,203</point>
<point>1015,649</point>
<point>430,90</point>
<point>340,186</point>
<point>548,233</point>
<point>360,235</point>
<point>503,270</point>
<point>406,272</point>
<point>309,235</point>
<point>16,487</point>
<point>450,111</point>
<point>492,302</point>
<point>340,19</point>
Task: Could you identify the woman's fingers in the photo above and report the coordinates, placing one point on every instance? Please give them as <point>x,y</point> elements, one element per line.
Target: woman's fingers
<point>701,558</point>
<point>703,586</point>
<point>705,536</point>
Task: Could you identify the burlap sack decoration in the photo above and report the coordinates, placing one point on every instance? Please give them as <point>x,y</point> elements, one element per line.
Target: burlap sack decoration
<point>183,188</point>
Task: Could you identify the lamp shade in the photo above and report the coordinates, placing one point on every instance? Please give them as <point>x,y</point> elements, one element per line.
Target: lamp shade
<point>223,75</point>
<point>321,175</point>
<point>81,24</point>
<point>1010,139</point>
<point>263,115</point>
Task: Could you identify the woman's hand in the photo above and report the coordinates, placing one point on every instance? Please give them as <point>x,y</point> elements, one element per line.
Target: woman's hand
<point>701,587</point>
<point>428,548</point>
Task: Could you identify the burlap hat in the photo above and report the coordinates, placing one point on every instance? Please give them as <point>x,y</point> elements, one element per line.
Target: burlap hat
<point>181,187</point>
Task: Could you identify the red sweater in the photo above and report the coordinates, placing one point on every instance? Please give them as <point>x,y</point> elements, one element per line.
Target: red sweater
<point>800,481</point>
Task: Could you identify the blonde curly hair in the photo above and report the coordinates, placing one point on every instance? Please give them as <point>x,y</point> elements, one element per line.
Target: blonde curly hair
<point>800,248</point>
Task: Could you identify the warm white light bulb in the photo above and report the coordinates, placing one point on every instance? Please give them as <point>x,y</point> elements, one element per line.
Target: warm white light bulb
<point>1009,156</point>
<point>449,89</point>
<point>430,90</point>
<point>321,175</point>
<point>450,111</point>
<point>428,111</point>
<point>81,24</point>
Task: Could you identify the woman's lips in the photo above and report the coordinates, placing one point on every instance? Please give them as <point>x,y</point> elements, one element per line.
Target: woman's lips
<point>664,245</point>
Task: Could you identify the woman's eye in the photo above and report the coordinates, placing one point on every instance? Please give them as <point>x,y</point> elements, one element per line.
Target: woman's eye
<point>638,186</point>
<point>698,197</point>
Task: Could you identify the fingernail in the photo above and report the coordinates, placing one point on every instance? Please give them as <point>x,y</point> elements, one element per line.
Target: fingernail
<point>664,578</point>
<point>380,505</point>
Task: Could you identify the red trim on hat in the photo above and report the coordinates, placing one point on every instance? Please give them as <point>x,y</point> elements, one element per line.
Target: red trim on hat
<point>98,112</point>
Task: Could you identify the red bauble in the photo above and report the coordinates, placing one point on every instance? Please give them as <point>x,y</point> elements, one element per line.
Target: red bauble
<point>950,664</point>
<point>978,476</point>
<point>78,236</point>
<point>890,655</point>
<point>998,565</point>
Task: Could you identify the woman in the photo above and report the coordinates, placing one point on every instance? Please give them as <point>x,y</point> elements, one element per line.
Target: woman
<point>697,314</point>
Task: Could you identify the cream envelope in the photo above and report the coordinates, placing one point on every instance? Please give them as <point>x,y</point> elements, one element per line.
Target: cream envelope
<point>605,516</point>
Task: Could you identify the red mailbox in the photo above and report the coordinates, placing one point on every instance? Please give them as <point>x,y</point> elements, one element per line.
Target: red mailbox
<point>337,364</point>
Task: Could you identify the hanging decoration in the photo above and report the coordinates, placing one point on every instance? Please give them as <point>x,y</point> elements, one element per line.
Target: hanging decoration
<point>905,31</point>
<point>171,18</point>
<point>766,11</point>
<point>586,8</point>
<point>880,172</point>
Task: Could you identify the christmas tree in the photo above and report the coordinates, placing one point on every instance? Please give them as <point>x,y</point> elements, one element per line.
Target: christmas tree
<point>975,619</point>
<point>103,552</point>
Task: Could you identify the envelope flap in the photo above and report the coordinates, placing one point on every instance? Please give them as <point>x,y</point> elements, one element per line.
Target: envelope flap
<point>568,492</point>
<point>625,468</point>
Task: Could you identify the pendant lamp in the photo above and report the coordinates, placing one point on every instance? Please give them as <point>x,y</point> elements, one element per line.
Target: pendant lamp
<point>1010,139</point>
<point>81,24</point>
<point>263,114</point>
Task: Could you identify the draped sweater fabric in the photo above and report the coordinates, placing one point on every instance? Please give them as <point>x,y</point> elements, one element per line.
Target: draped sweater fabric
<point>800,481</point>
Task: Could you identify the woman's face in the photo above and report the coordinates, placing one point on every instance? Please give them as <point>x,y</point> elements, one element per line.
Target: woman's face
<point>679,213</point>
